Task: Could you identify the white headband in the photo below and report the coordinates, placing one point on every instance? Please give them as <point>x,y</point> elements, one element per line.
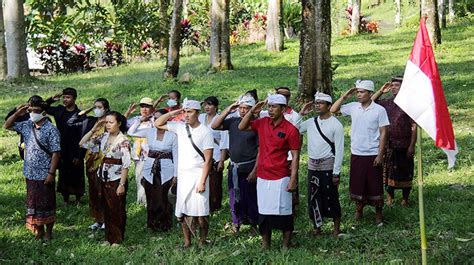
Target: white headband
<point>322,96</point>
<point>365,84</point>
<point>191,104</point>
<point>247,100</point>
<point>276,99</point>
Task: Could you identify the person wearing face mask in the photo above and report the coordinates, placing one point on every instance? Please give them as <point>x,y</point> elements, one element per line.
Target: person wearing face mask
<point>115,160</point>
<point>398,164</point>
<point>21,142</point>
<point>92,127</point>
<point>143,121</point>
<point>42,154</point>
<point>173,103</point>
<point>221,146</point>
<point>71,179</point>
<point>159,173</point>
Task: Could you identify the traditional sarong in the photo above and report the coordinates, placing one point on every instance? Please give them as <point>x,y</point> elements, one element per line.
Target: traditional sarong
<point>398,168</point>
<point>242,194</point>
<point>71,178</point>
<point>366,181</point>
<point>274,205</point>
<point>159,209</point>
<point>40,204</point>
<point>95,202</point>
<point>215,188</point>
<point>115,216</point>
<point>189,202</point>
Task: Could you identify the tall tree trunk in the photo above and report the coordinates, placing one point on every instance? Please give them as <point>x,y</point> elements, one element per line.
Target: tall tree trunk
<point>314,71</point>
<point>172,64</point>
<point>442,13</point>
<point>3,49</point>
<point>355,23</point>
<point>398,12</point>
<point>15,39</point>
<point>185,8</point>
<point>451,11</point>
<point>429,8</point>
<point>165,22</point>
<point>275,32</point>
<point>220,42</point>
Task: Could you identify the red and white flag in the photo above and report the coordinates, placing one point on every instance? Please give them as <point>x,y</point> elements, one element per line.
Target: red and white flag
<point>421,95</point>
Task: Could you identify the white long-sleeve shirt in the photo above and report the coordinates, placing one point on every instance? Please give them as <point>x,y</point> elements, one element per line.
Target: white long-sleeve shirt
<point>169,144</point>
<point>318,148</point>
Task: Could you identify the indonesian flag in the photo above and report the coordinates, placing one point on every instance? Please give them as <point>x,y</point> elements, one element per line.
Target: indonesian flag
<point>421,95</point>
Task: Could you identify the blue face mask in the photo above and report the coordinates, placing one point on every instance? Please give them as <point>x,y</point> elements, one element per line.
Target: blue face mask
<point>171,103</point>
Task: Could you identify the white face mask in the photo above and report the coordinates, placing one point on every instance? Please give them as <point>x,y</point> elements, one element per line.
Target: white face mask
<point>98,112</point>
<point>35,117</point>
<point>171,103</point>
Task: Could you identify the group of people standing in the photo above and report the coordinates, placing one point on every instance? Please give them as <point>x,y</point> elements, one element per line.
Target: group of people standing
<point>179,155</point>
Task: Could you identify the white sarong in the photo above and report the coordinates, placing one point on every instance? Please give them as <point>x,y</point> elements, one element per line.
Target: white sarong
<point>272,197</point>
<point>188,201</point>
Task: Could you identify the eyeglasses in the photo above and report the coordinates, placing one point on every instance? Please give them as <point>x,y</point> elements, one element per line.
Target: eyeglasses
<point>146,106</point>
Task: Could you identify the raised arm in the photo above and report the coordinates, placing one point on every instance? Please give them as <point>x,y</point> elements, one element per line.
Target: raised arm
<point>217,124</point>
<point>244,124</point>
<point>337,105</point>
<point>160,123</point>
<point>11,120</point>
<point>383,90</point>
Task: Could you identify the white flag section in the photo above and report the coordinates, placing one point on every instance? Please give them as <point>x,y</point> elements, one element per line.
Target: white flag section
<point>421,96</point>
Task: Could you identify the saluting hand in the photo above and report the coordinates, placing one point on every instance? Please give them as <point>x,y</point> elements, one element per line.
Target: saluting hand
<point>386,87</point>
<point>350,92</point>
<point>175,113</point>
<point>258,107</point>
<point>22,110</point>
<point>307,108</point>
<point>57,96</point>
<point>233,107</point>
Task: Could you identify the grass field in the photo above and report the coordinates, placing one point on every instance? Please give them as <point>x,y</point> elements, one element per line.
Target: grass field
<point>449,196</point>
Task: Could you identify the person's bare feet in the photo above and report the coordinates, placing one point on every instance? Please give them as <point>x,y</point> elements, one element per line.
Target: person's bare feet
<point>389,200</point>
<point>253,230</point>
<point>378,218</point>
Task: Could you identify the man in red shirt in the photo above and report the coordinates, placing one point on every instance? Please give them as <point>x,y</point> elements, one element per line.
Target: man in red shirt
<point>276,178</point>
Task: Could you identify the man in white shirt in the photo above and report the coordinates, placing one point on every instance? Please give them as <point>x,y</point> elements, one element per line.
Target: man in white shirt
<point>325,152</point>
<point>369,122</point>
<point>195,148</point>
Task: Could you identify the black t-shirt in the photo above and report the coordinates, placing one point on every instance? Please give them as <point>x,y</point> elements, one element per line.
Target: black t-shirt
<point>243,145</point>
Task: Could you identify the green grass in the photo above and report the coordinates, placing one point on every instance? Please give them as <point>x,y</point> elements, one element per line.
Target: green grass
<point>448,194</point>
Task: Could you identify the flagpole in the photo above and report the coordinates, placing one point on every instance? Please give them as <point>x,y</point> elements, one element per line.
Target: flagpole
<point>420,198</point>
